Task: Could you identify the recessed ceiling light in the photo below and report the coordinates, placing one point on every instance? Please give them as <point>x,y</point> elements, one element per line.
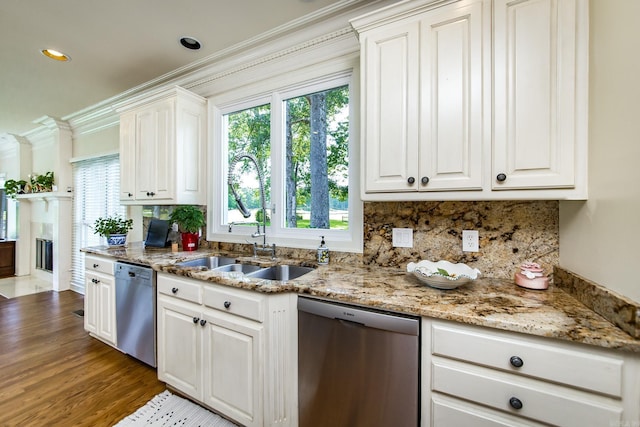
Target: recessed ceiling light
<point>54,54</point>
<point>190,43</point>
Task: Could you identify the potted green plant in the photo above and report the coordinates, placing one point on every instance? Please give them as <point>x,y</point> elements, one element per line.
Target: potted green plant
<point>114,228</point>
<point>12,187</point>
<point>42,183</point>
<point>189,219</point>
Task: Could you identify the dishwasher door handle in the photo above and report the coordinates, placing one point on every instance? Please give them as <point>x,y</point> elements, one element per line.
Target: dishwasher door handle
<point>351,323</point>
<point>368,318</point>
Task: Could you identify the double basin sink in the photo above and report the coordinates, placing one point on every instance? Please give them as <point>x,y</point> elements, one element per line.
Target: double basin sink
<point>282,272</point>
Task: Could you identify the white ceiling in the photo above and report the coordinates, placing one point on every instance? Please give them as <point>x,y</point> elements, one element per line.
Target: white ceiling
<point>114,46</point>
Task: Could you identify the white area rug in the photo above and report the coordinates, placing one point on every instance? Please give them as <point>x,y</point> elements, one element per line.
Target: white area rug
<point>167,409</point>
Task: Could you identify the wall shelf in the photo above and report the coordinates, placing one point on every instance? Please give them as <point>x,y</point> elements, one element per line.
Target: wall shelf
<point>44,196</point>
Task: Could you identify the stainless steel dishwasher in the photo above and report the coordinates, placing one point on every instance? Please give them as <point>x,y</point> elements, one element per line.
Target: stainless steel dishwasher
<point>357,367</point>
<point>136,311</point>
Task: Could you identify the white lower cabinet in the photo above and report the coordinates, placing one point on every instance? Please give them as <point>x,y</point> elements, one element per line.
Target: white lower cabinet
<point>485,377</point>
<point>180,346</point>
<point>230,349</point>
<point>100,299</point>
<point>232,368</point>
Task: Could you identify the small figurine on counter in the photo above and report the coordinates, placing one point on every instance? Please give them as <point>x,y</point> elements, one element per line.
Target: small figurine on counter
<point>530,276</point>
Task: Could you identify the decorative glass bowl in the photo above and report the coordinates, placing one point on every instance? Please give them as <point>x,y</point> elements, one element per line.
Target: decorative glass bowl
<point>442,274</point>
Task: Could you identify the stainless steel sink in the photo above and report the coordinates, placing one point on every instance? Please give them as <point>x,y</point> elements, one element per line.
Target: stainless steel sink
<point>240,268</point>
<point>281,272</point>
<point>209,262</point>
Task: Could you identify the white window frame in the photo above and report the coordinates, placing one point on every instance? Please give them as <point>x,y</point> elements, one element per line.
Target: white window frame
<point>343,240</point>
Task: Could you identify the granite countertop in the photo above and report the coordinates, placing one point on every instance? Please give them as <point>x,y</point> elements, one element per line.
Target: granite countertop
<point>490,302</point>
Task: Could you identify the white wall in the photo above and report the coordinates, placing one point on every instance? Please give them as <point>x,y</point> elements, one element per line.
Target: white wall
<point>600,238</point>
<point>105,140</point>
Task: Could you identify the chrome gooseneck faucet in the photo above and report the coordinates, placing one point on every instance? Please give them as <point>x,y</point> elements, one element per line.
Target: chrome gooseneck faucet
<point>245,213</point>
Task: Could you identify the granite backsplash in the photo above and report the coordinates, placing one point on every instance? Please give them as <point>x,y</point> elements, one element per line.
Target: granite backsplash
<point>510,233</point>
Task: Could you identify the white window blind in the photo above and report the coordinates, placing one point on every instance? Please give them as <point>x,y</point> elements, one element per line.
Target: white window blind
<point>96,194</point>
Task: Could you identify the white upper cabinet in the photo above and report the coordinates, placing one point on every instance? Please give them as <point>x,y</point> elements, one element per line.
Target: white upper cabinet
<point>162,149</point>
<point>390,124</point>
<point>452,67</point>
<point>422,115</point>
<point>451,111</point>
<point>539,93</point>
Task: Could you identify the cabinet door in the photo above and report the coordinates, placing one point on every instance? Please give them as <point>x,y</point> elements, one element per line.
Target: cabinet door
<point>189,152</point>
<point>106,292</point>
<point>127,157</point>
<point>535,97</point>
<point>233,380</point>
<point>154,138</point>
<point>452,70</point>
<point>100,306</point>
<point>164,164</point>
<point>390,108</point>
<point>180,346</point>
<point>90,303</point>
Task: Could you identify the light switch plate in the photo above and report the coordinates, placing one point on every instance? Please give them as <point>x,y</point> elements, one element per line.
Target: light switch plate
<point>470,241</point>
<point>402,237</point>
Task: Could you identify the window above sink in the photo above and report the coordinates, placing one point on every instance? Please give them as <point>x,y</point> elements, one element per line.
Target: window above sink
<point>275,128</point>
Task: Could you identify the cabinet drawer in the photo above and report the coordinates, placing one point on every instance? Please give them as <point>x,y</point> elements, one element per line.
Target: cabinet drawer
<point>559,363</point>
<point>235,301</point>
<point>99,264</point>
<point>180,288</point>
<point>451,412</point>
<point>547,403</point>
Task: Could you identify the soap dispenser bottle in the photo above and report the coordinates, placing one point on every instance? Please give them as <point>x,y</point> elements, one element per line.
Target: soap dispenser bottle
<point>323,252</point>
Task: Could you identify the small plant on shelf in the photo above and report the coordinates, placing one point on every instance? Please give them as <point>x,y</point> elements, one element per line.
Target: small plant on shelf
<point>12,187</point>
<point>41,183</point>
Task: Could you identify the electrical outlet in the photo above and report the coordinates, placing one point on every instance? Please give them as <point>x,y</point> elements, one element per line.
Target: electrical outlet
<point>402,237</point>
<point>470,241</point>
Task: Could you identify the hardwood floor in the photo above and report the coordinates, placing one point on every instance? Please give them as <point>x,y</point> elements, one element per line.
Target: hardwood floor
<point>52,373</point>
